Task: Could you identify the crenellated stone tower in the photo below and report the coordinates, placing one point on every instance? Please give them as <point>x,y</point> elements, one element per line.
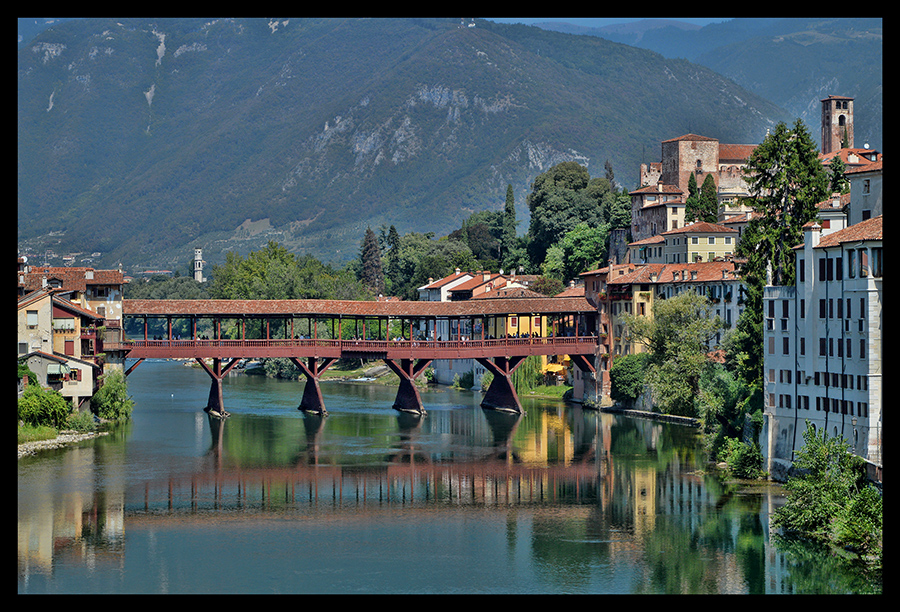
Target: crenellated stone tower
<point>837,124</point>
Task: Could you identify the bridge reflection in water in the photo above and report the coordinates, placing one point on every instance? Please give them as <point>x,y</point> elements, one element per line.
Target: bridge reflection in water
<point>405,475</point>
<point>571,329</point>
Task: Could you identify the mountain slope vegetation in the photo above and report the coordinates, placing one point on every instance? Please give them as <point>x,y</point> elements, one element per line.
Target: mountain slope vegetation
<point>143,138</point>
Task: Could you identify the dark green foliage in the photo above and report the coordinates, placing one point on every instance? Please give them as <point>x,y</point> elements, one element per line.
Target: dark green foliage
<point>547,286</point>
<point>274,273</point>
<point>161,287</point>
<point>626,377</point>
<point>832,501</point>
<point>743,460</point>
<point>371,274</point>
<point>38,406</point>
<point>509,225</point>
<point>560,199</point>
<point>786,180</point>
<point>111,401</point>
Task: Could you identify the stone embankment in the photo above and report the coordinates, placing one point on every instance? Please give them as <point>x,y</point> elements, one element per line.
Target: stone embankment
<point>64,438</point>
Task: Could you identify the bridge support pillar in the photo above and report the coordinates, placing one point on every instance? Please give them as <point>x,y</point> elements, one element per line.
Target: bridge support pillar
<point>312,394</point>
<point>501,395</point>
<point>408,399</point>
<point>215,406</point>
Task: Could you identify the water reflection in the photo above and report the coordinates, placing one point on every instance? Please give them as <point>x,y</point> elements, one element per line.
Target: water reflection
<point>558,500</point>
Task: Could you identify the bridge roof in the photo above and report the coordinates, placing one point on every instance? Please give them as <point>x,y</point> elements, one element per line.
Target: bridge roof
<point>347,308</point>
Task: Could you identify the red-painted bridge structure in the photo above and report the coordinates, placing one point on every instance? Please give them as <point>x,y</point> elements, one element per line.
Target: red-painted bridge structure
<point>336,329</point>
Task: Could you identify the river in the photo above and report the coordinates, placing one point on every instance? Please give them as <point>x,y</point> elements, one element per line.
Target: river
<point>368,501</point>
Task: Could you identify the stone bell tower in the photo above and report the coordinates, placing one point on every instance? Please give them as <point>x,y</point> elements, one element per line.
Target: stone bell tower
<point>837,123</point>
<point>198,266</point>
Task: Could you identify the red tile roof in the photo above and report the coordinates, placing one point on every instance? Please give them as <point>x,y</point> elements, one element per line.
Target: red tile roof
<point>735,152</point>
<point>870,229</point>
<point>657,188</point>
<point>701,227</point>
<point>73,279</point>
<point>706,271</point>
<point>690,137</point>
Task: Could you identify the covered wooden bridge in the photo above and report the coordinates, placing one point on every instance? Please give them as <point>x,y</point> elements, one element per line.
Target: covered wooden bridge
<point>314,334</point>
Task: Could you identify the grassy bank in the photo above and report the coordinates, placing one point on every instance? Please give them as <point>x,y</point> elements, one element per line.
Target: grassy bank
<point>36,433</point>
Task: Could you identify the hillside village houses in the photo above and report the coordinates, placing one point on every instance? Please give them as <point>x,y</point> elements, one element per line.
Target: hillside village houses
<point>69,326</point>
<point>822,340</point>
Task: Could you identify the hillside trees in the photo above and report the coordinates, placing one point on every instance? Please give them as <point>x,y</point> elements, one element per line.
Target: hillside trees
<point>275,273</point>
<point>561,198</point>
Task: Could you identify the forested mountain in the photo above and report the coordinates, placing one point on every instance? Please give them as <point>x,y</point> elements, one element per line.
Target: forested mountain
<point>141,139</point>
<point>792,61</point>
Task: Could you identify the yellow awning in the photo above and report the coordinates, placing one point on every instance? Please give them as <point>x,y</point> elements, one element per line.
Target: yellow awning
<point>554,367</point>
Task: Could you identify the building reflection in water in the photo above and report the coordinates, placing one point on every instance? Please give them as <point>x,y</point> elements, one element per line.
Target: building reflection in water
<point>624,482</point>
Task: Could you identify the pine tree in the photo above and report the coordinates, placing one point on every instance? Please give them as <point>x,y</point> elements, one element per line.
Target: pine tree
<point>786,180</point>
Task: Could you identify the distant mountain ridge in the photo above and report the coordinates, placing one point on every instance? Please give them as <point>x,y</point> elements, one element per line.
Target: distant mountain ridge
<point>143,138</point>
<point>792,61</point>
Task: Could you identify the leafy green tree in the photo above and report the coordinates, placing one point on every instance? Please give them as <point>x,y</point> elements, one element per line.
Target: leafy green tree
<point>546,285</point>
<point>371,273</point>
<point>616,207</point>
<point>583,248</point>
<point>554,263</point>
<point>830,500</point>
<point>626,377</point>
<point>47,407</point>
<point>160,287</point>
<point>560,199</point>
<point>111,401</point>
<point>692,202</point>
<point>678,337</point>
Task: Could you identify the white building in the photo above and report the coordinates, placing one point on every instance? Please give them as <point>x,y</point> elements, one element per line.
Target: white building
<point>822,343</point>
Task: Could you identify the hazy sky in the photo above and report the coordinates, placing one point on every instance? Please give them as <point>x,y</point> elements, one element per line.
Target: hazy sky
<point>597,22</point>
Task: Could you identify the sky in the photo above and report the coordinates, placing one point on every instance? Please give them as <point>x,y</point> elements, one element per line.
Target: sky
<point>596,22</point>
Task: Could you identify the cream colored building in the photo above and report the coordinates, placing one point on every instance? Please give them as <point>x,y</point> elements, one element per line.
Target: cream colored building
<point>699,242</point>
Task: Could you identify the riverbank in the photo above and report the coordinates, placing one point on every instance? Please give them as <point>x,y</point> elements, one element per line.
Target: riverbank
<point>64,438</point>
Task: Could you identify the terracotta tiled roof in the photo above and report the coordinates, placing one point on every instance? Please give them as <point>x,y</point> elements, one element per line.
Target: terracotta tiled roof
<point>437,284</point>
<point>571,291</point>
<point>706,271</point>
<point>72,279</point>
<point>701,227</point>
<point>870,167</point>
<point>347,308</point>
<point>651,240</point>
<point>657,188</point>
<point>690,137</point>
<point>735,152</point>
<point>862,159</point>
<point>870,229</point>
<point>508,292</point>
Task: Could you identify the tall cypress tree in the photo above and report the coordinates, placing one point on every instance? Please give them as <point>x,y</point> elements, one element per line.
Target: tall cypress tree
<point>370,258</point>
<point>509,222</point>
